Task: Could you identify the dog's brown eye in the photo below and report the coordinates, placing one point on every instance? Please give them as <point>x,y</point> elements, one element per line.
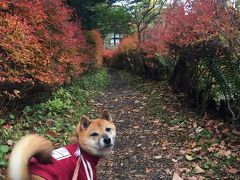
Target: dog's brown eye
<point>108,129</point>
<point>94,134</point>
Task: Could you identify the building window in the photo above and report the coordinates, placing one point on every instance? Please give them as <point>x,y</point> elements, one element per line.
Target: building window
<point>115,39</point>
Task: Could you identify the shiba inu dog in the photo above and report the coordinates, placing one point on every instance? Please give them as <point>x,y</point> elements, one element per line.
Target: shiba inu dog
<point>33,156</point>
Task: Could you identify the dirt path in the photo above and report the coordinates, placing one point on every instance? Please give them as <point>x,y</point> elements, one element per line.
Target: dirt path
<point>137,153</point>
<point>159,136</point>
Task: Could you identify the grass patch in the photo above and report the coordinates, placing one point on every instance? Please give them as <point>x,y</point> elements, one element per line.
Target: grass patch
<point>55,118</point>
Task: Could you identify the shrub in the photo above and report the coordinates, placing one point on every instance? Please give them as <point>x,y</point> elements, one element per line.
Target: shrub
<point>125,54</point>
<point>95,48</point>
<point>127,44</point>
<point>39,42</point>
<point>41,48</point>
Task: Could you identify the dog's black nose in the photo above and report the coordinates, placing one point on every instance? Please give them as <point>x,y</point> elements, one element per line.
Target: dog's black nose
<point>107,140</point>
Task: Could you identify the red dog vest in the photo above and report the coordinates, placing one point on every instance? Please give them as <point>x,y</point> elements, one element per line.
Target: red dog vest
<point>64,161</point>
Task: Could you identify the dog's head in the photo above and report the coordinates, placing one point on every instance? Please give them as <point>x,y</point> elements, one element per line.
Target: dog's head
<point>97,136</point>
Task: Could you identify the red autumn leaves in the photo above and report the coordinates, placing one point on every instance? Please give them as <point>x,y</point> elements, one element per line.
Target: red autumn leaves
<point>191,24</point>
<point>40,42</point>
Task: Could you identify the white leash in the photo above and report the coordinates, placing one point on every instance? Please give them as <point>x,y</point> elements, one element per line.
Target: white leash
<point>76,171</point>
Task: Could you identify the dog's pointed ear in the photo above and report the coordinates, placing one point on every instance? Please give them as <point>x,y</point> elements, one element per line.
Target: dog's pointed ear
<point>84,122</point>
<point>106,115</point>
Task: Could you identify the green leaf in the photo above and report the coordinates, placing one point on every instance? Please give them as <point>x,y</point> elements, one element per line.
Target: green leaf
<point>3,162</point>
<point>27,109</point>
<point>2,121</point>
<point>4,148</point>
<point>12,116</point>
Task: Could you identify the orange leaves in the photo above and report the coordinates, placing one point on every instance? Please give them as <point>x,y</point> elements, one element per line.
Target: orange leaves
<point>97,43</point>
<point>4,5</point>
<point>17,40</point>
<point>128,43</point>
<point>40,42</point>
<point>108,53</point>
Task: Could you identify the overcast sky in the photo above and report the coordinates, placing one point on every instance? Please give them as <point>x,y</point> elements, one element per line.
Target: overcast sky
<point>125,2</point>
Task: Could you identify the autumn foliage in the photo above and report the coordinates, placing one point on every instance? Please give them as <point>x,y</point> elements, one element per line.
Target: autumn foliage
<point>108,53</point>
<point>126,45</point>
<point>190,25</point>
<point>42,44</point>
<point>39,42</point>
<point>95,48</point>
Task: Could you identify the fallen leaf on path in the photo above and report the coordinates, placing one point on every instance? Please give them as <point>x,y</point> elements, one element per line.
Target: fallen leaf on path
<point>168,171</point>
<point>233,170</point>
<point>198,130</point>
<point>157,157</point>
<point>135,102</point>
<point>193,144</point>
<point>188,157</point>
<point>148,170</point>
<point>184,170</point>
<point>187,151</point>
<point>224,153</point>
<point>193,178</point>
<point>201,178</point>
<point>198,169</point>
<point>135,127</point>
<point>174,128</point>
<point>225,131</point>
<point>236,132</point>
<point>176,177</point>
<point>182,152</point>
<point>136,110</point>
<point>51,133</point>
<point>197,149</point>
<point>195,125</point>
<point>98,104</point>
<point>213,148</point>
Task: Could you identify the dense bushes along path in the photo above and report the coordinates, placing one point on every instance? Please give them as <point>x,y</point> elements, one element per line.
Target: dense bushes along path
<point>157,137</point>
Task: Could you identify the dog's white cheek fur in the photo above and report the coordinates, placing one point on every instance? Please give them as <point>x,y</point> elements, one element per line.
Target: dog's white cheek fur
<point>97,147</point>
<point>101,143</point>
<point>92,143</point>
<point>112,136</point>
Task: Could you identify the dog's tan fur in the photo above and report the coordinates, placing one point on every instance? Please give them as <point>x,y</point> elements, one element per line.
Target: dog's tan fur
<point>39,147</point>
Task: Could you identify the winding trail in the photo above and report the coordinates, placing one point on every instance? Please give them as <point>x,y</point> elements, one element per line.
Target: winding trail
<point>137,153</point>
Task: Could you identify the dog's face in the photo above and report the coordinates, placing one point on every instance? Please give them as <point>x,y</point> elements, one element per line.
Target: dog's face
<point>97,136</point>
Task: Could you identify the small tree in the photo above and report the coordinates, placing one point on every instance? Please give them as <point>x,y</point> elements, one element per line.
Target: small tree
<point>144,13</point>
<point>112,19</point>
<point>85,10</point>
